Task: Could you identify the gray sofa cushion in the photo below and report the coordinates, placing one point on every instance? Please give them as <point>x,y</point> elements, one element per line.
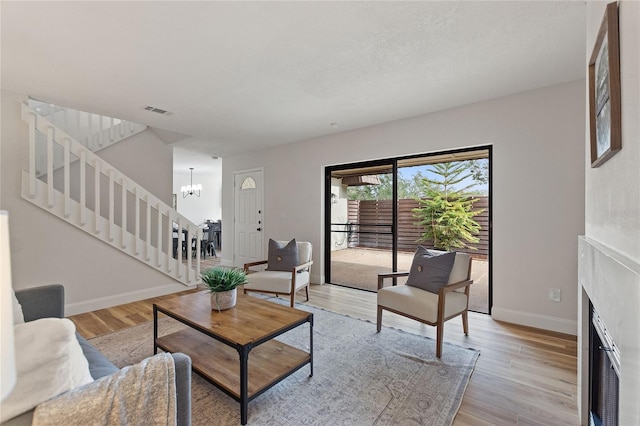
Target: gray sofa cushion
<point>99,366</point>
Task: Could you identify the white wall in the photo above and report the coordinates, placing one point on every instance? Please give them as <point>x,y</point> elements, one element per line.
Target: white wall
<point>612,220</point>
<point>613,189</point>
<point>46,250</point>
<point>538,192</point>
<point>339,214</point>
<point>209,204</point>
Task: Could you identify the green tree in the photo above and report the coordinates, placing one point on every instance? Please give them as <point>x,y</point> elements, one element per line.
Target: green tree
<point>479,170</point>
<point>445,212</point>
<point>407,188</point>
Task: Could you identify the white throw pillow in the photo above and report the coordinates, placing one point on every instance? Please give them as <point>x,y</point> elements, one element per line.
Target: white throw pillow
<point>18,316</point>
<point>49,361</point>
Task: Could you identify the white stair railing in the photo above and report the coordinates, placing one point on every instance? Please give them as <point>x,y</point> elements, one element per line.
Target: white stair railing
<point>94,196</point>
<point>94,131</point>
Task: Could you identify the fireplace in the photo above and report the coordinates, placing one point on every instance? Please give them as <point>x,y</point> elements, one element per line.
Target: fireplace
<point>608,336</point>
<point>604,370</point>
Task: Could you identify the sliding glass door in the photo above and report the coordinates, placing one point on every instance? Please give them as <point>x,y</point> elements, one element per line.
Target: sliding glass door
<point>375,216</point>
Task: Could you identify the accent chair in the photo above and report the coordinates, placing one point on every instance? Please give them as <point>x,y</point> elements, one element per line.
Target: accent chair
<point>434,309</point>
<point>287,282</point>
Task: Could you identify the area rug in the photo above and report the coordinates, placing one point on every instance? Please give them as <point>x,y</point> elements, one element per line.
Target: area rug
<point>360,377</point>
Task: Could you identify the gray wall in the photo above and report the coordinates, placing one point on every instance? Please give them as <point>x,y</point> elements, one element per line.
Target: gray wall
<point>538,158</point>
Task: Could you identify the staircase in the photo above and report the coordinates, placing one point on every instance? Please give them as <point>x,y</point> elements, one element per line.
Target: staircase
<point>87,192</point>
<point>94,131</point>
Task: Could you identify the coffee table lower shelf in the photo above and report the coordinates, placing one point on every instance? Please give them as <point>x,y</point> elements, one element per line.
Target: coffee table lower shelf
<point>219,364</point>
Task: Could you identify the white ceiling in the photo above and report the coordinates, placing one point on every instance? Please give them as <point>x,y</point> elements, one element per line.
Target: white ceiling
<point>202,164</point>
<point>241,76</point>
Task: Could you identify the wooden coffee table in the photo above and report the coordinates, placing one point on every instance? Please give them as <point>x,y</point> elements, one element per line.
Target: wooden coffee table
<point>219,343</point>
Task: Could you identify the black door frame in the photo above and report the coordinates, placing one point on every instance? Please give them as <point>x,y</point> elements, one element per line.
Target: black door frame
<point>393,163</point>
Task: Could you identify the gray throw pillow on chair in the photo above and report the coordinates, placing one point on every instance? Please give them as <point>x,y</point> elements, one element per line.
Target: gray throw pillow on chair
<point>430,271</point>
<point>282,258</point>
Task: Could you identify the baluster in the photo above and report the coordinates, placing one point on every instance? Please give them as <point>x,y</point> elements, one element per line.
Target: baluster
<point>67,180</point>
<point>111,204</point>
<point>137,230</point>
<point>148,251</point>
<point>159,236</point>
<point>121,127</point>
<point>189,252</point>
<point>198,251</point>
<point>96,194</point>
<point>65,113</point>
<point>51,115</point>
<point>78,135</point>
<point>124,213</point>
<point>83,187</point>
<point>100,135</point>
<point>90,135</point>
<point>111,135</point>
<point>130,124</point>
<point>170,241</point>
<point>32,155</point>
<point>50,136</point>
<point>180,244</point>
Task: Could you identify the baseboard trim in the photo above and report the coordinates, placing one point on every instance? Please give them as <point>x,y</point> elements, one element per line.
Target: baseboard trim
<point>120,299</point>
<point>559,325</point>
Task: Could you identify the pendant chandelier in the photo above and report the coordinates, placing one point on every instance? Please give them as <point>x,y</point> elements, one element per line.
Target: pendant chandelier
<point>191,189</point>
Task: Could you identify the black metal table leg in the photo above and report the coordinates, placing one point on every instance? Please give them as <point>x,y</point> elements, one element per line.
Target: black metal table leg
<point>244,383</point>
<point>311,345</point>
<point>155,329</point>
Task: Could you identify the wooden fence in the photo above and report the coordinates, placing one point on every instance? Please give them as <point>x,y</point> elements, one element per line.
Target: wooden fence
<point>371,225</point>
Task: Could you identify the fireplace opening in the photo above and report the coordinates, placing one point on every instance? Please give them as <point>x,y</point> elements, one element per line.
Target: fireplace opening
<point>604,368</point>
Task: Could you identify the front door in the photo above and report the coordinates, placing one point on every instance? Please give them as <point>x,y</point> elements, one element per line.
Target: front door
<point>248,217</point>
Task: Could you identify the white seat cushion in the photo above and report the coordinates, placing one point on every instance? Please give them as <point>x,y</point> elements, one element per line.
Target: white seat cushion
<point>275,281</point>
<point>420,303</point>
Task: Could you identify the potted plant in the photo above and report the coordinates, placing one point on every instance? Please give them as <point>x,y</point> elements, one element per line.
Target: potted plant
<point>222,282</point>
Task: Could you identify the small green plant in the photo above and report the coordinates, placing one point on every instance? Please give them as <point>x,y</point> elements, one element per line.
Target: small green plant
<point>223,279</point>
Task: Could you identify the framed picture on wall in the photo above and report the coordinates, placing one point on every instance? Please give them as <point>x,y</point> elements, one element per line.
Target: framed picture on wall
<point>604,90</point>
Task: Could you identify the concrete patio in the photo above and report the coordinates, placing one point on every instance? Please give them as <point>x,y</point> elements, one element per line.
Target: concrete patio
<point>359,268</point>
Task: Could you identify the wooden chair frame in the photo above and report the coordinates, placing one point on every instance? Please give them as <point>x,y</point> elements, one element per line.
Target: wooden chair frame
<point>442,293</point>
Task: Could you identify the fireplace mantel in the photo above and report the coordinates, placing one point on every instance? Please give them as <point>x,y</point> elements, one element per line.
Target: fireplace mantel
<point>611,281</point>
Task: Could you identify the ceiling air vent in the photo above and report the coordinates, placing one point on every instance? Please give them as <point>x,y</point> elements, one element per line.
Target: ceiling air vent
<point>157,110</point>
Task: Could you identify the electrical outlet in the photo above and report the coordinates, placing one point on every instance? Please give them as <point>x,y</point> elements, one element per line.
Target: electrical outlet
<point>554,294</point>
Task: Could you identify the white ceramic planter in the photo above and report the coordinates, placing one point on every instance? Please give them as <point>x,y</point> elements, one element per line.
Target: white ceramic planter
<point>224,300</point>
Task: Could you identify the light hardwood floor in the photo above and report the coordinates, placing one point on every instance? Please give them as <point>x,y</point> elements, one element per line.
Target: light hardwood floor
<point>523,376</point>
